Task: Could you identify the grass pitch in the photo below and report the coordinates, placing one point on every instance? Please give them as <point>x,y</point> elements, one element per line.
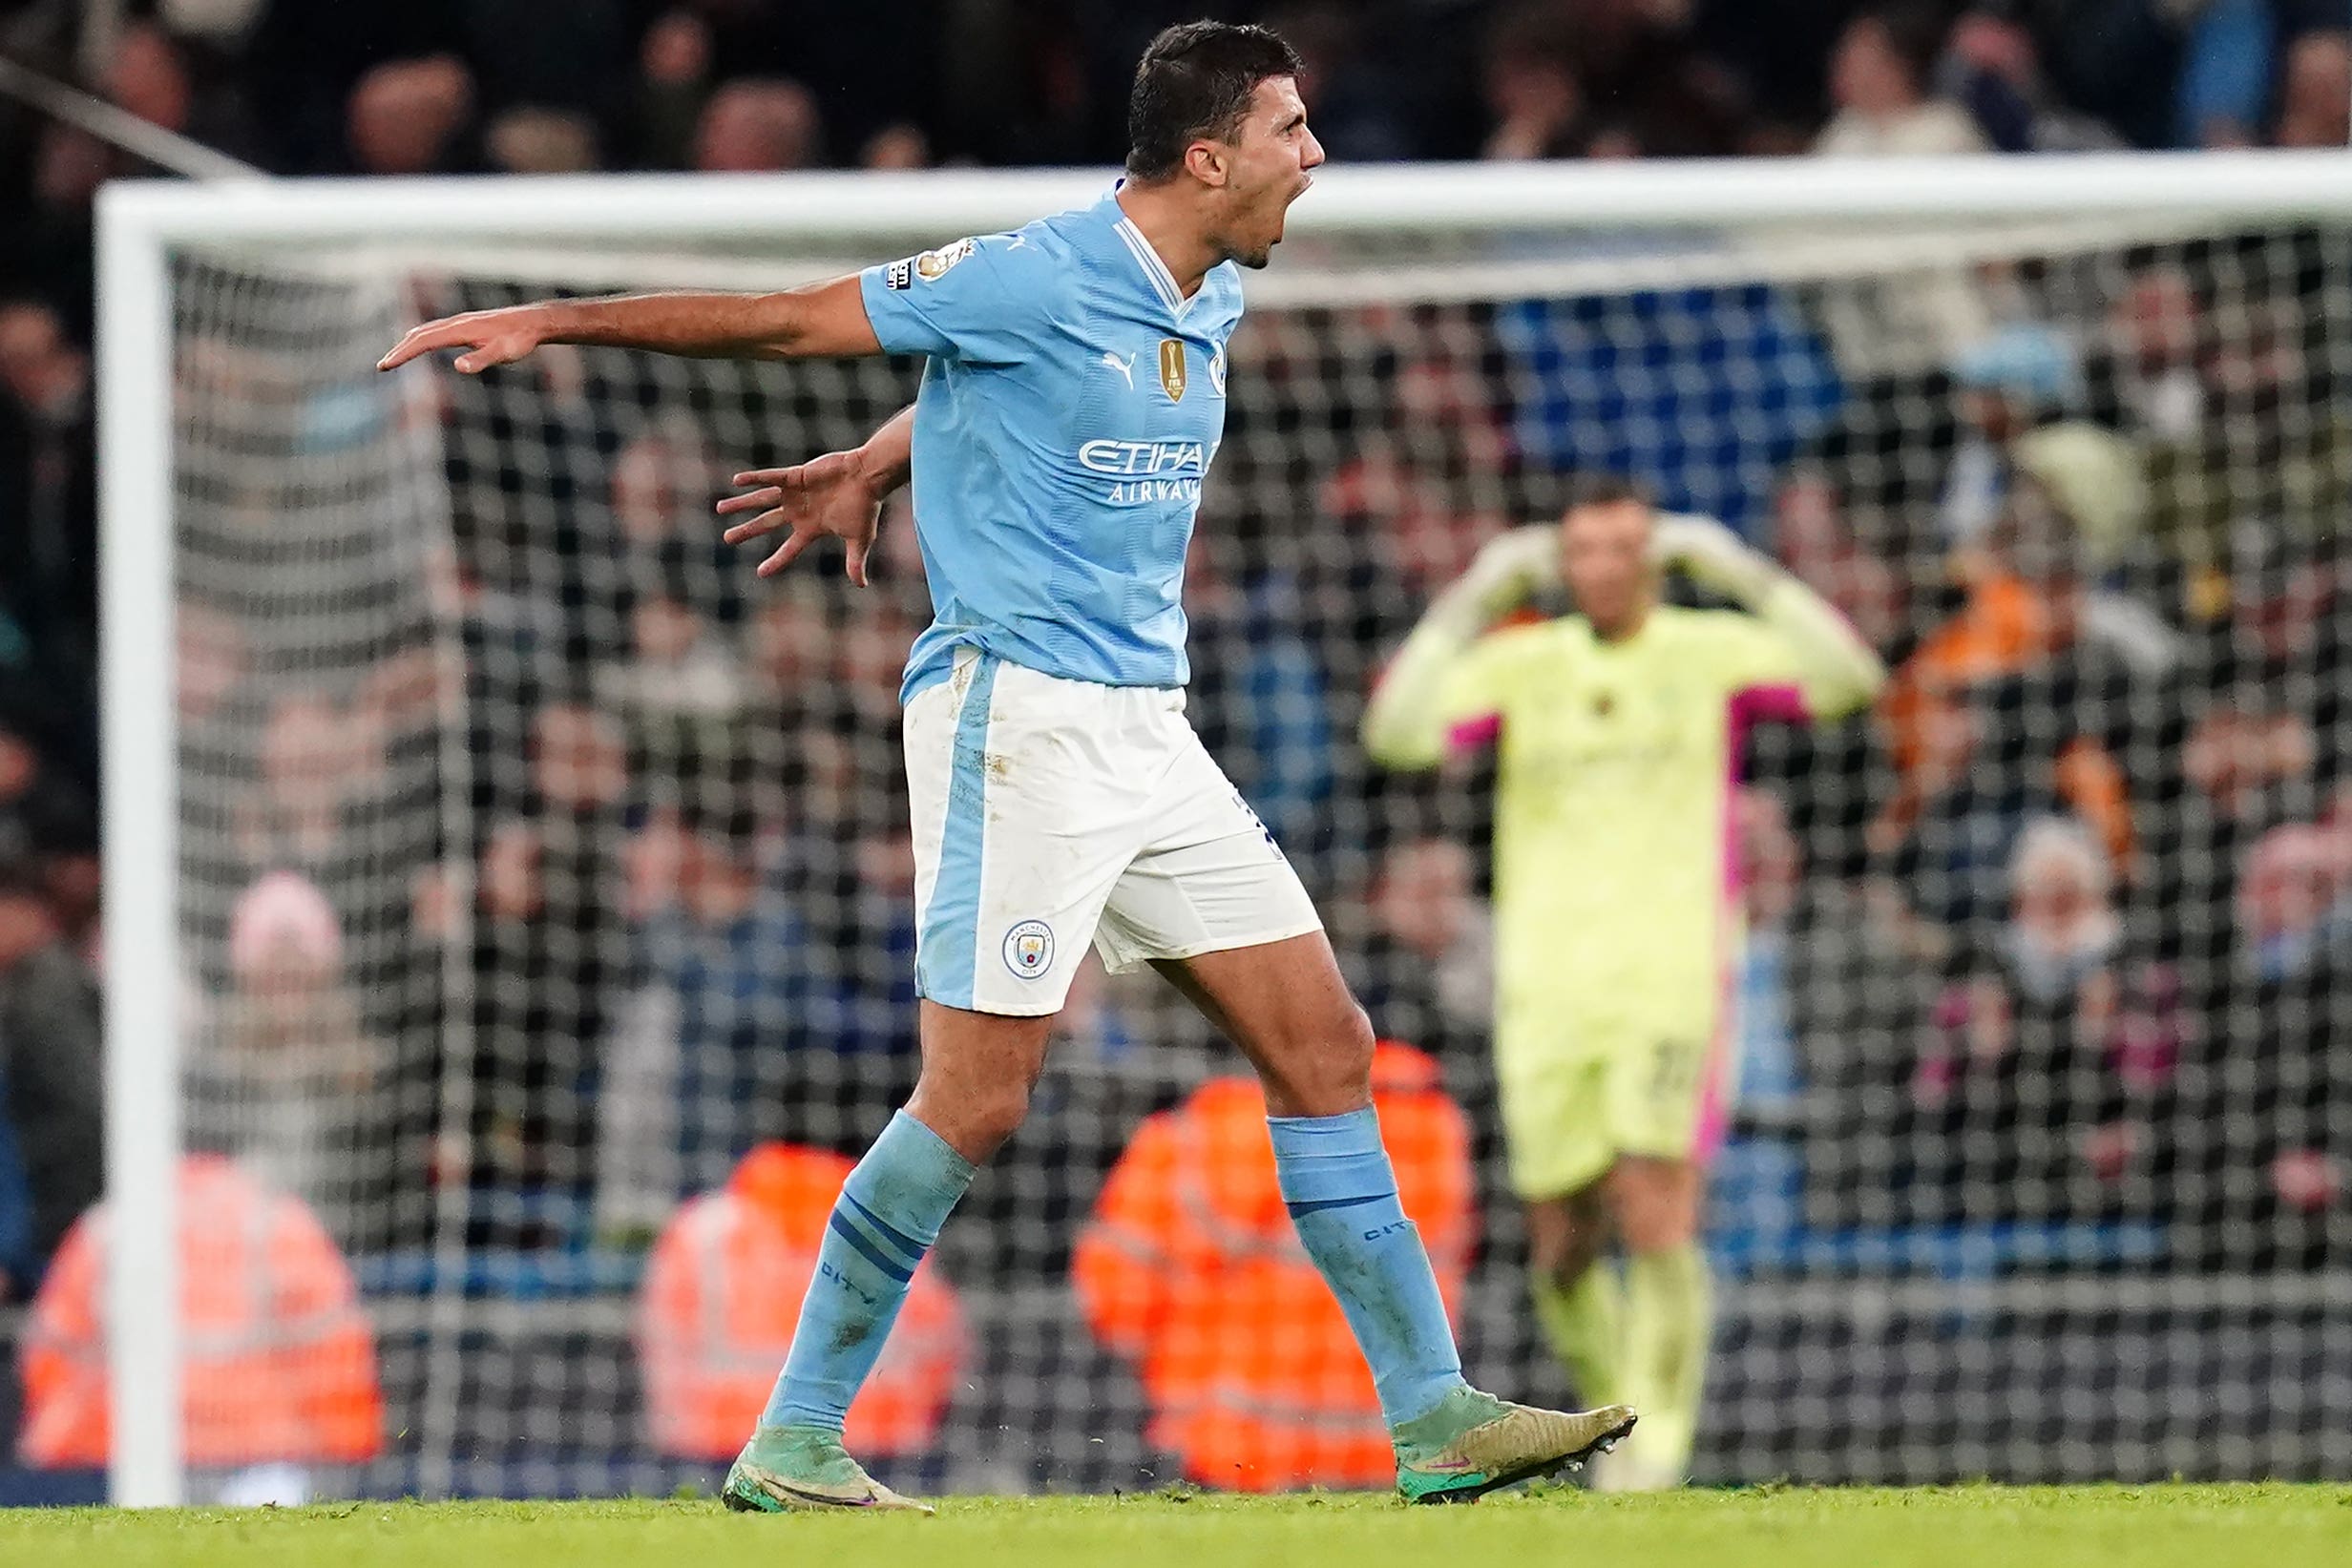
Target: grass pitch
<point>2266,1526</point>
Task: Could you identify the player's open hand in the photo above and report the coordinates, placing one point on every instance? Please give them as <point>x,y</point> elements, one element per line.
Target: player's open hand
<point>489,337</point>
<point>834,496</point>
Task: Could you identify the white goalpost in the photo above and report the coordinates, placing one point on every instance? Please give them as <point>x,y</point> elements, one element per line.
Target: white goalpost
<point>489,860</point>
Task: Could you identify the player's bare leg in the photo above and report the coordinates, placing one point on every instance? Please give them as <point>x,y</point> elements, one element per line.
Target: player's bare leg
<point>1655,1203</point>
<point>978,1071</point>
<point>1286,1006</point>
<point>1579,1298</point>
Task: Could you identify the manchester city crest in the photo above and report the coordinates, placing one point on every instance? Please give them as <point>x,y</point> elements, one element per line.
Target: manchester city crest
<point>1029,948</point>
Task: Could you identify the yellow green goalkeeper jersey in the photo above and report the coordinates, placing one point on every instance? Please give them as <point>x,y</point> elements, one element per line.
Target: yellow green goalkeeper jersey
<point>1613,921</point>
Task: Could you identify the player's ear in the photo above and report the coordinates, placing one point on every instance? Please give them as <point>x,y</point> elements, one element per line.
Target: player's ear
<point>1209,163</point>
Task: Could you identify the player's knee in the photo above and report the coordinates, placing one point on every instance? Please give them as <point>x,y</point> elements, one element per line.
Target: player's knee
<point>974,1119</point>
<point>1562,1258</point>
<point>997,1114</point>
<point>1329,1072</point>
<point>1657,1211</point>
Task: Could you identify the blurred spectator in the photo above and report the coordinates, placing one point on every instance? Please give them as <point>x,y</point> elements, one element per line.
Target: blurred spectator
<point>1191,1269</point>
<point>673,76</point>
<point>2291,903</point>
<point>1256,695</point>
<point>288,1079</point>
<point>2273,452</point>
<point>147,77</point>
<point>2268,1142</point>
<point>47,241</point>
<point>2314,98</point>
<point>721,1296</point>
<point>310,773</point>
<point>2230,53</point>
<point>898,146</point>
<point>1992,67</point>
<point>1810,537</point>
<point>50,1087</point>
<point>756,125</point>
<point>531,140</point>
<point>1609,78</point>
<point>1429,962</point>
<point>1433,480</point>
<point>2011,381</point>
<point>1532,88</point>
<point>2021,700</point>
<point>1880,81</point>
<point>2275,666</point>
<point>678,664</point>
<point>2146,380</point>
<point>410,118</point>
<point>2054,1052</point>
<point>729,1001</point>
<point>279,1364</point>
<point>49,557</point>
<point>869,658</point>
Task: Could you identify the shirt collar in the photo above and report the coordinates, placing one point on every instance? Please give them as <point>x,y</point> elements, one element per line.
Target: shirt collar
<point>1155,270</point>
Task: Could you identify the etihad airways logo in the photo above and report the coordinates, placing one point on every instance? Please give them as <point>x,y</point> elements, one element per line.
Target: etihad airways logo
<point>1134,457</point>
<point>1147,470</point>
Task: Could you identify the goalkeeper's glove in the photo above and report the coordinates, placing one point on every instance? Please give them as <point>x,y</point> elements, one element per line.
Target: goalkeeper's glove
<point>1711,555</point>
<point>1508,570</point>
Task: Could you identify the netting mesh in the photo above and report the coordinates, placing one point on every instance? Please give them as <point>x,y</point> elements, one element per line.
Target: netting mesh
<point>540,861</point>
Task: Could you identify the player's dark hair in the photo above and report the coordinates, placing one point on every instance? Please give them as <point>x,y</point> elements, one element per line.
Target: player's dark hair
<point>1196,80</point>
<point>1603,490</point>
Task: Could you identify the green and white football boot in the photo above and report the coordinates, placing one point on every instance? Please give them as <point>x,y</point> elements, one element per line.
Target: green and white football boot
<point>785,1469</point>
<point>1474,1443</point>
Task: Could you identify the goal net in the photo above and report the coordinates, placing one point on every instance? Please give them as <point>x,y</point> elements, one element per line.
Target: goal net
<point>536,862</point>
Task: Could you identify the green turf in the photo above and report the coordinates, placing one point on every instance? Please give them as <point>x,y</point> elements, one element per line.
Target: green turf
<point>2268,1526</point>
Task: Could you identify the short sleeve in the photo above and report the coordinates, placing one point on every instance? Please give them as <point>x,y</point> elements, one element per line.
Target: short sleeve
<point>985,301</point>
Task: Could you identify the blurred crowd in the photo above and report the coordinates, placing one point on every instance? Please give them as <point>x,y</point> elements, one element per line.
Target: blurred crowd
<point>2056,935</point>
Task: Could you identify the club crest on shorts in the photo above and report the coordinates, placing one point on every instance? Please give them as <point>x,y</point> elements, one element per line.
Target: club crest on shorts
<point>1172,368</point>
<point>1029,948</point>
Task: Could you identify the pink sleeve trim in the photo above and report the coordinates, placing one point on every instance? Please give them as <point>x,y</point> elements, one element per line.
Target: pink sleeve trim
<point>1470,734</point>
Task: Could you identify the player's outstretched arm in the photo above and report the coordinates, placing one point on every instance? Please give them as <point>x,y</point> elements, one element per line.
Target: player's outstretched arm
<point>1405,723</point>
<point>822,321</point>
<point>838,495</point>
<point>1839,673</point>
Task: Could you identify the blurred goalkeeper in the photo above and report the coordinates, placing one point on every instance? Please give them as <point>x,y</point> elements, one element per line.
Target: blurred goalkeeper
<point>1616,934</point>
<point>1073,392</point>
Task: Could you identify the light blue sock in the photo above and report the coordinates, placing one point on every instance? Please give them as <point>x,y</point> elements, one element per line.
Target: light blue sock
<point>888,1215</point>
<point>1342,1195</point>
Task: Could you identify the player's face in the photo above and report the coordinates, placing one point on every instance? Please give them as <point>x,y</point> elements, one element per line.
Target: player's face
<point>1605,561</point>
<point>1271,160</point>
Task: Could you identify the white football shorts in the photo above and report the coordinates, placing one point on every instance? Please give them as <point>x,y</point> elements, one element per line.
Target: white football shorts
<point>1049,813</point>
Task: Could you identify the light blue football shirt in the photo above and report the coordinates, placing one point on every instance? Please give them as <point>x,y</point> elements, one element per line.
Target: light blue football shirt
<point>1071,405</point>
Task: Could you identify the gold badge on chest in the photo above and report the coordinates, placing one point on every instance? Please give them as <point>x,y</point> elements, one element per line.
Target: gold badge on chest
<point>1172,368</point>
